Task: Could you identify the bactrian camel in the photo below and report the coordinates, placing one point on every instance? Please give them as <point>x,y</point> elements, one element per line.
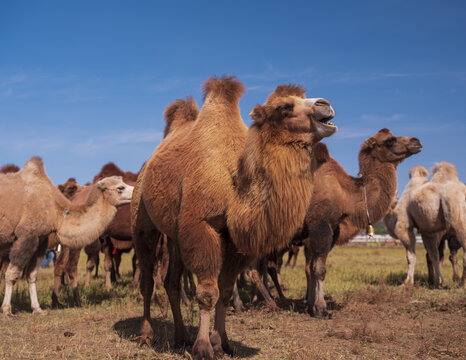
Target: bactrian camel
<point>225,195</point>
<point>33,208</point>
<point>435,208</point>
<point>341,205</point>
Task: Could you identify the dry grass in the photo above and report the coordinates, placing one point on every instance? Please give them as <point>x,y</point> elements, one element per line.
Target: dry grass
<point>373,318</point>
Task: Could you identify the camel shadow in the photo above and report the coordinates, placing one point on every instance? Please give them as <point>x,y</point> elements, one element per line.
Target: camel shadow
<point>300,305</point>
<point>128,329</point>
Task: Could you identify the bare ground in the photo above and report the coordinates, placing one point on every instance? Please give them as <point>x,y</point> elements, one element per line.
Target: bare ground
<point>373,318</point>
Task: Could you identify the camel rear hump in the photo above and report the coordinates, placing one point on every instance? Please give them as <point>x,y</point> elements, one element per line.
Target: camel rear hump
<point>444,171</point>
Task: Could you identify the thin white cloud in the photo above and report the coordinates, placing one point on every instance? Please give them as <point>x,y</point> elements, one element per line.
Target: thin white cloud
<point>382,118</point>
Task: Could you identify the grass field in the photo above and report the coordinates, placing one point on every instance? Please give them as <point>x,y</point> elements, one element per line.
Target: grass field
<point>373,317</point>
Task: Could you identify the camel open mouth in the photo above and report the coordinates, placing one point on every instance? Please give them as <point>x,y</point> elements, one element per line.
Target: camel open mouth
<point>327,122</point>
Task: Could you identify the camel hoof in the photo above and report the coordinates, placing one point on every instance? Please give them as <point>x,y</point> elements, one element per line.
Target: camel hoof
<point>456,278</point>
<point>146,334</point>
<point>202,350</point>
<point>218,346</point>
<point>320,314</point>
<point>7,314</point>
<point>39,311</point>
<point>183,341</point>
<point>55,303</point>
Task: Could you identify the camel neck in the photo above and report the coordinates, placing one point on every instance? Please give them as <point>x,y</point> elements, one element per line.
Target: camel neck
<point>82,225</point>
<point>273,188</point>
<point>379,184</point>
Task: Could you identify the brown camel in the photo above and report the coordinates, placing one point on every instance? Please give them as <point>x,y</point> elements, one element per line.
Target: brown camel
<point>435,208</point>
<point>33,208</point>
<point>220,192</point>
<point>341,205</point>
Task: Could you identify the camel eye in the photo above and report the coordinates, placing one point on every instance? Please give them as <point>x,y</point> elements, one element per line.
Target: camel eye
<point>120,189</point>
<point>286,107</point>
<point>390,142</point>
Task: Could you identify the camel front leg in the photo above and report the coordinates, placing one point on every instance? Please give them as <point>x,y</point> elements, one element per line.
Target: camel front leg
<point>256,278</point>
<point>108,266</point>
<point>32,278</point>
<point>11,275</point>
<point>172,285</point>
<point>318,271</point>
<point>237,302</point>
<point>58,271</point>
<point>71,269</point>
<point>231,268</point>
<point>408,239</point>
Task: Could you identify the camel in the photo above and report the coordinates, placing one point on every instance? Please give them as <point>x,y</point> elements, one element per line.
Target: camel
<point>225,195</point>
<point>436,208</point>
<point>118,236</point>
<point>8,168</point>
<point>341,205</point>
<point>68,258</point>
<point>33,208</point>
<point>397,220</point>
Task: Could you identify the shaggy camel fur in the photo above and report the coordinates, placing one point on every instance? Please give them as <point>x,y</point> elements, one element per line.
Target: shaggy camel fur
<point>220,192</point>
<point>435,208</point>
<point>33,208</point>
<point>341,205</point>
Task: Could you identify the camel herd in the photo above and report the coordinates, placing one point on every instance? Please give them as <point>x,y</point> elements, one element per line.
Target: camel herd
<point>216,198</point>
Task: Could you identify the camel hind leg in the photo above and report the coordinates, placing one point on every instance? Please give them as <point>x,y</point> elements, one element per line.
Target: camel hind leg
<point>11,275</point>
<point>431,242</point>
<point>58,271</point>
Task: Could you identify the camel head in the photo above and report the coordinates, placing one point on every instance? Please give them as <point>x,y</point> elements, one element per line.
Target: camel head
<point>69,188</point>
<point>292,117</point>
<point>115,191</point>
<point>386,147</point>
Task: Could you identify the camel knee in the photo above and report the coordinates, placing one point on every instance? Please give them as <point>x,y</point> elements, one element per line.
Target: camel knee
<point>207,294</point>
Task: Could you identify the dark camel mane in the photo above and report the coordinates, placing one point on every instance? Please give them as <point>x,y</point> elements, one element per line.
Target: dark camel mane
<point>110,169</point>
<point>9,168</point>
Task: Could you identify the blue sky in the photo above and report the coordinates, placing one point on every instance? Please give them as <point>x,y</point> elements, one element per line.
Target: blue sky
<point>86,82</point>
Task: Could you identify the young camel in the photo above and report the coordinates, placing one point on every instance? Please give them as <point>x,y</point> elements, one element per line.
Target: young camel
<point>33,208</point>
<point>435,208</point>
<point>341,205</point>
<point>220,192</point>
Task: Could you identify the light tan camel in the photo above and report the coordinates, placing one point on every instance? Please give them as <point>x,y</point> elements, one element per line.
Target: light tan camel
<point>225,195</point>
<point>397,219</point>
<point>33,208</point>
<point>435,208</point>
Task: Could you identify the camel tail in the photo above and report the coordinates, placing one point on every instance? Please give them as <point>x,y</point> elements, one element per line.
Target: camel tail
<point>321,153</point>
<point>226,87</point>
<point>180,112</point>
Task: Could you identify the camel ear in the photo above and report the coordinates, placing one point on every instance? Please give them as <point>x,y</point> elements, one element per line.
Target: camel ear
<point>101,185</point>
<point>370,142</point>
<point>61,188</point>
<point>258,114</point>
